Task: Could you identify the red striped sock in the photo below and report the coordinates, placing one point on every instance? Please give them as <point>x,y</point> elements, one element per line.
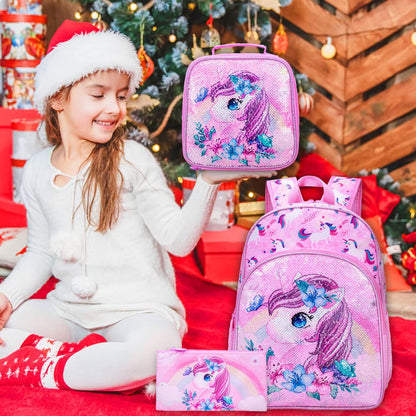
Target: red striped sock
<point>29,366</point>
<point>54,348</point>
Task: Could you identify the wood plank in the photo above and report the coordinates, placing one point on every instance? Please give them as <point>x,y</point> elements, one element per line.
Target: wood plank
<point>315,20</point>
<point>329,74</point>
<point>382,150</point>
<point>326,150</point>
<point>380,109</point>
<point>348,6</point>
<point>406,176</point>
<point>365,30</point>
<point>328,116</point>
<point>366,72</point>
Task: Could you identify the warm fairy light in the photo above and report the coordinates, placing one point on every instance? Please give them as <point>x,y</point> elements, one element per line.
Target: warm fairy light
<point>172,38</point>
<point>251,195</point>
<point>95,15</point>
<point>412,213</point>
<point>180,179</point>
<point>154,28</point>
<point>133,7</point>
<point>77,15</point>
<point>156,148</point>
<point>328,51</point>
<point>191,5</point>
<point>135,96</point>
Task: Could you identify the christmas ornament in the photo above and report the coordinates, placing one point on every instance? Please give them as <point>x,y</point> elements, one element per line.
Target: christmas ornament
<point>146,63</point>
<point>280,41</point>
<point>408,258</point>
<point>328,51</point>
<point>251,36</point>
<point>100,24</point>
<point>305,103</point>
<point>210,37</point>
<point>197,52</point>
<point>413,38</point>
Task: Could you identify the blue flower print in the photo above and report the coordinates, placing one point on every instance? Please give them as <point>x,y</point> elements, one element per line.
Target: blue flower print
<point>206,405</point>
<point>202,94</point>
<point>231,150</point>
<point>312,297</point>
<point>213,366</point>
<point>297,380</point>
<point>242,86</point>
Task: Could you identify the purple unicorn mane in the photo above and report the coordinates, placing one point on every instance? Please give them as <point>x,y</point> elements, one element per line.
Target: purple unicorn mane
<point>221,377</point>
<point>256,113</point>
<point>333,331</point>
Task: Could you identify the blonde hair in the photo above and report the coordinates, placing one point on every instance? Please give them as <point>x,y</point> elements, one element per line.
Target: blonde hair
<point>104,176</point>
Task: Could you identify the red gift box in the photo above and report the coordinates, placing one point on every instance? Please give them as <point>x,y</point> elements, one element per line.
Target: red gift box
<point>219,254</point>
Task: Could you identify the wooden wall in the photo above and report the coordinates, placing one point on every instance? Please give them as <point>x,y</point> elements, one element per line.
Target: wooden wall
<point>365,105</point>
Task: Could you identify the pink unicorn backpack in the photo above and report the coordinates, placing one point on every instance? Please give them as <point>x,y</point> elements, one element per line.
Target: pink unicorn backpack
<point>240,112</point>
<point>311,293</point>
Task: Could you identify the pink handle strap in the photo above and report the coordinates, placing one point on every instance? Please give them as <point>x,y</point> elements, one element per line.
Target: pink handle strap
<point>345,192</point>
<point>234,45</point>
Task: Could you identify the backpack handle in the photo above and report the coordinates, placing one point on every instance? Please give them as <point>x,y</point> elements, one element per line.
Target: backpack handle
<point>340,191</point>
<point>315,182</point>
<point>234,45</point>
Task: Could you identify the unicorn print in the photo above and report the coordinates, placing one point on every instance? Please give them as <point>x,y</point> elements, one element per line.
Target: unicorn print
<point>351,247</point>
<point>210,387</point>
<point>237,122</point>
<point>311,325</point>
<point>325,231</point>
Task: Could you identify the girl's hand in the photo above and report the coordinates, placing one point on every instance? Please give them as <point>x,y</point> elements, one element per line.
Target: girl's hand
<point>5,311</point>
<point>215,177</point>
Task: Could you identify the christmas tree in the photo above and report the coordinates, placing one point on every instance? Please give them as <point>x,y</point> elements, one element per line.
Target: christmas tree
<point>169,35</point>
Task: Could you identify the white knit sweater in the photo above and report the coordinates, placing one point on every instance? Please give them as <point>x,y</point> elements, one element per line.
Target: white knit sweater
<point>129,264</point>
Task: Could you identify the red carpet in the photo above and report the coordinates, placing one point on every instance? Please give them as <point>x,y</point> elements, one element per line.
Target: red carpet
<point>209,308</point>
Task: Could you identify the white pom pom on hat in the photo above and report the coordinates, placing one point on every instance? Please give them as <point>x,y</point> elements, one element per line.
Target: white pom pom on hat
<point>79,49</point>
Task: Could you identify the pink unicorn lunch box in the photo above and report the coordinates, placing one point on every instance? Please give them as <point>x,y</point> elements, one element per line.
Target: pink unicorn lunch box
<point>211,380</point>
<point>240,112</point>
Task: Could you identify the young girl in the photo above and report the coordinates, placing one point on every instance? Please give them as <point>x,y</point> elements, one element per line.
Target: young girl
<point>102,220</point>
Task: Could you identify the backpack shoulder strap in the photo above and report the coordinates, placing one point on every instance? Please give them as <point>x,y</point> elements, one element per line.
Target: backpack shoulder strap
<point>347,192</point>
<point>281,192</point>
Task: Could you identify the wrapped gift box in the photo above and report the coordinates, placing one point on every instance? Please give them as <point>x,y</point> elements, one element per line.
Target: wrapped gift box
<point>219,254</point>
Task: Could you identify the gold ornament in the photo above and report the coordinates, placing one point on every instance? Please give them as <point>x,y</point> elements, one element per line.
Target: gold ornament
<point>328,51</point>
<point>210,37</point>
<point>197,52</point>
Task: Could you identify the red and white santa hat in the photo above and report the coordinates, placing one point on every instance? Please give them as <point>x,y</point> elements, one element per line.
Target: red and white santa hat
<point>78,49</point>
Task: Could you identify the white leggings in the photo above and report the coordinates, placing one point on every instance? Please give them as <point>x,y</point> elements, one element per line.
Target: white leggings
<point>126,361</point>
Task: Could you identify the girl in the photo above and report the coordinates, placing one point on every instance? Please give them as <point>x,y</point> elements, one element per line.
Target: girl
<point>101,219</point>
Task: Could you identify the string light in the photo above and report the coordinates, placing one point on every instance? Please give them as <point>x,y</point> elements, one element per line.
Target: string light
<point>133,7</point>
<point>412,213</point>
<point>155,148</point>
<point>172,38</point>
<point>77,15</point>
<point>180,179</point>
<point>135,96</point>
<point>328,51</point>
<point>95,15</point>
<point>154,28</point>
<point>251,194</point>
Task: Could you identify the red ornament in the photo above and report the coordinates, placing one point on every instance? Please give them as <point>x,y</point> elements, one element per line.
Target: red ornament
<point>34,47</point>
<point>146,63</point>
<point>305,103</point>
<point>280,41</point>
<point>100,24</point>
<point>411,278</point>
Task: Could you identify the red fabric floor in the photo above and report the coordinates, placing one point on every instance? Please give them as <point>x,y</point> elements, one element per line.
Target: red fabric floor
<point>209,309</point>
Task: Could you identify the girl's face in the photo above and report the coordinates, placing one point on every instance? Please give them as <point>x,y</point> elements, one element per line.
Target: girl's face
<point>94,108</point>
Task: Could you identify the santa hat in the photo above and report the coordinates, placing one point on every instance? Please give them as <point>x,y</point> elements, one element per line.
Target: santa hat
<point>78,49</point>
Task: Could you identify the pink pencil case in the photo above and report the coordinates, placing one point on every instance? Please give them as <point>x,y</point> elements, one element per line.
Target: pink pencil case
<point>211,380</point>
<point>240,112</point>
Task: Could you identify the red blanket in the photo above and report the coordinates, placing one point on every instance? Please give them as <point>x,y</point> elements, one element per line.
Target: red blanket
<point>209,308</point>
